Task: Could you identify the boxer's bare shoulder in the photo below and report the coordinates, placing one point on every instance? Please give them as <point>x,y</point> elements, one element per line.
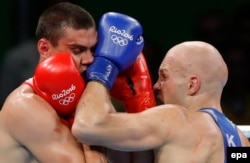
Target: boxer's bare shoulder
<point>11,150</point>
<point>28,121</point>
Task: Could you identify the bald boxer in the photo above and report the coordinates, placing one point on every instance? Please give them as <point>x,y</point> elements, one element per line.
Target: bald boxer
<point>189,127</point>
<point>33,127</point>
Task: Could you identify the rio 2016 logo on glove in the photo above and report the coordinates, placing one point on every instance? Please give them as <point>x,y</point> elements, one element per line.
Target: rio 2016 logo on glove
<point>68,99</point>
<point>67,96</point>
<point>119,40</point>
<point>123,32</point>
<point>121,37</point>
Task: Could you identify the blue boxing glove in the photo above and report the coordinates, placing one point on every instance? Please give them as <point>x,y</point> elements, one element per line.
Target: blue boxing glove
<point>120,42</point>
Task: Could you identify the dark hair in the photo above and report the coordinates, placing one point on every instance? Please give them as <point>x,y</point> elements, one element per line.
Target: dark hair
<point>54,20</point>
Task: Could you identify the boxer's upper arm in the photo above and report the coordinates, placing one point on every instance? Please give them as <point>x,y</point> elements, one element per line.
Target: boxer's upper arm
<point>149,129</point>
<point>36,126</point>
<point>139,131</point>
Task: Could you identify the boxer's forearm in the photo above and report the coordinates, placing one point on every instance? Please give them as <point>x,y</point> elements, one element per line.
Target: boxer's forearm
<point>92,110</point>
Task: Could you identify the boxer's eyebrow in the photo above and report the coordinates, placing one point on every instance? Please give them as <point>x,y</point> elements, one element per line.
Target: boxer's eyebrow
<point>76,48</point>
<point>82,47</point>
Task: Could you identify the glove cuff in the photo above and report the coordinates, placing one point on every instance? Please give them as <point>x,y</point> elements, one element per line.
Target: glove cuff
<point>102,70</point>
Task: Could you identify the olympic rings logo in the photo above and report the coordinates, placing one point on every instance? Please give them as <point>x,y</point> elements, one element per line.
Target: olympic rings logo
<point>119,40</point>
<point>67,100</point>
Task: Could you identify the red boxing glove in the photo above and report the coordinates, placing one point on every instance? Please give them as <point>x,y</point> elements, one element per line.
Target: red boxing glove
<point>59,82</point>
<point>133,87</point>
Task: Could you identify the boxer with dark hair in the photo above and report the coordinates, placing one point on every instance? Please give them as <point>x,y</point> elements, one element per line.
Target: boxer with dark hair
<point>33,120</point>
<point>36,118</point>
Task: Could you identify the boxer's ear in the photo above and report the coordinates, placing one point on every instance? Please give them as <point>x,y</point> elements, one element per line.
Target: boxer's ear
<point>43,48</point>
<point>193,85</point>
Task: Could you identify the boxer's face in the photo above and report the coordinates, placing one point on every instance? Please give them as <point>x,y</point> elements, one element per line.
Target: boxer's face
<point>170,86</point>
<point>79,43</point>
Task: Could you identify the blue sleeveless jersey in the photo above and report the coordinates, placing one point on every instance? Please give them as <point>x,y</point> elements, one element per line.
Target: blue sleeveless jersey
<point>228,129</point>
